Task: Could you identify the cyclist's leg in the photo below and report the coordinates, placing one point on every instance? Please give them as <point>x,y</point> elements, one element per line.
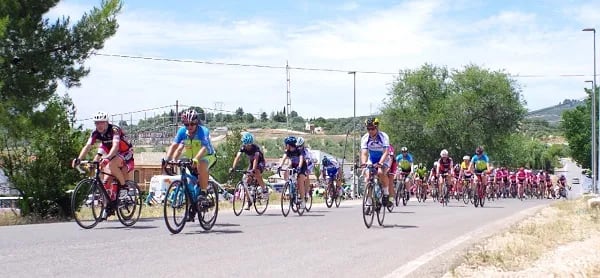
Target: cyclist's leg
<point>300,183</point>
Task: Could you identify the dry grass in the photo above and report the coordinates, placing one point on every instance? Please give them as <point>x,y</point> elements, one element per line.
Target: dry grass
<point>526,242</point>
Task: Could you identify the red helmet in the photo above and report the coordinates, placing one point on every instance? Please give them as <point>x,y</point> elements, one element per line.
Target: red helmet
<point>391,149</point>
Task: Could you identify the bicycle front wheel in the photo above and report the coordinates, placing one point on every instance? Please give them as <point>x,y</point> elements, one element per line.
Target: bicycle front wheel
<point>239,199</point>
<point>286,197</point>
<point>87,203</point>
<point>329,196</point>
<point>176,207</point>
<point>368,206</point>
<point>130,205</point>
<point>208,215</point>
<point>308,200</point>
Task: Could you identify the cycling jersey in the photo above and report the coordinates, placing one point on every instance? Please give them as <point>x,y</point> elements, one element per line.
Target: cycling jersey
<point>253,151</point>
<point>445,165</point>
<point>480,162</point>
<point>521,175</point>
<point>376,147</point>
<point>193,143</point>
<point>405,162</point>
<point>421,172</point>
<point>331,168</point>
<point>113,132</point>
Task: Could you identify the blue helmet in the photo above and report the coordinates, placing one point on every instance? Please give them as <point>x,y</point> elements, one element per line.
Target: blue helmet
<point>290,140</point>
<point>247,138</point>
<point>325,161</point>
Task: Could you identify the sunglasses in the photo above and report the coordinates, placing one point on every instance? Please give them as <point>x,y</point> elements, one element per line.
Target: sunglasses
<point>189,124</point>
<point>371,128</point>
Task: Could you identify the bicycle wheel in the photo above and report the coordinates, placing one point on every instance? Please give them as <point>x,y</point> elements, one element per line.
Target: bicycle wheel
<point>380,213</point>
<point>87,203</point>
<point>419,197</point>
<point>398,194</point>
<point>208,215</point>
<point>445,195</point>
<point>308,199</point>
<point>405,194</point>
<point>261,201</point>
<point>329,196</point>
<point>368,206</point>
<point>338,199</point>
<point>286,197</point>
<point>239,199</point>
<point>129,207</point>
<point>465,195</point>
<point>176,207</point>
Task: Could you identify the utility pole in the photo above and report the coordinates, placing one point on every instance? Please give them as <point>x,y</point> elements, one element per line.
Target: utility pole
<point>288,105</point>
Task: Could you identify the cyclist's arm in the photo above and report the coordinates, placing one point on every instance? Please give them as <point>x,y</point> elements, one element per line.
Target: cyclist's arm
<point>84,150</point>
<point>384,156</point>
<point>364,155</point>
<point>284,158</point>
<point>301,161</point>
<point>115,147</point>
<point>236,159</point>
<point>172,149</point>
<point>255,160</point>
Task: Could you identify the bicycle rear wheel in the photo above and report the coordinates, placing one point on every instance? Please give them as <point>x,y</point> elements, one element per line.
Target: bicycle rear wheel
<point>286,198</point>
<point>208,215</point>
<point>130,205</point>
<point>308,199</point>
<point>368,206</point>
<point>338,199</point>
<point>380,209</point>
<point>87,203</point>
<point>239,199</point>
<point>176,207</point>
<point>261,201</point>
<point>419,196</point>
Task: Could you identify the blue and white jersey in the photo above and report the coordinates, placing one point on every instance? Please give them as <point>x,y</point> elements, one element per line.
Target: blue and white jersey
<point>331,168</point>
<point>376,146</point>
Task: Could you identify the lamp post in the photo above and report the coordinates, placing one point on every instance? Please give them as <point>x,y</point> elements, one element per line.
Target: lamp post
<point>354,185</point>
<point>594,136</point>
<point>593,145</point>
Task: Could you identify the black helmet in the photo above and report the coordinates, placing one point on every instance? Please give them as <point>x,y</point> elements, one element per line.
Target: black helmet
<point>372,122</point>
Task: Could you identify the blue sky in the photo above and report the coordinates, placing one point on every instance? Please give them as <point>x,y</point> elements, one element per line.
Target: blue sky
<point>521,37</point>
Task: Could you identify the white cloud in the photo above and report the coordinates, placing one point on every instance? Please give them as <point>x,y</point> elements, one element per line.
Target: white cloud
<point>404,36</point>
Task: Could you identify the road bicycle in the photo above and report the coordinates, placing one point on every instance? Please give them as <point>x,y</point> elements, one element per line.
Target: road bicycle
<point>372,199</point>
<point>90,203</point>
<point>247,191</point>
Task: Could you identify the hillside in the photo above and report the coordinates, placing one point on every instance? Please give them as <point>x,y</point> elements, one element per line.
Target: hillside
<point>552,114</point>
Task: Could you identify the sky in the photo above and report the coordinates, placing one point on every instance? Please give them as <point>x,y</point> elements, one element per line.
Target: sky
<point>527,38</point>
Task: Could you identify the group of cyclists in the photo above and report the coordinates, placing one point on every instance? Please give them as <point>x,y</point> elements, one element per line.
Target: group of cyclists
<point>115,155</point>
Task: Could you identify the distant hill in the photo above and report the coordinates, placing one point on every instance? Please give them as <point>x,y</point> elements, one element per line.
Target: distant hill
<point>552,114</point>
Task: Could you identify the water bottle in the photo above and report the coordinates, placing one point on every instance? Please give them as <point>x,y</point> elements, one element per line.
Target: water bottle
<point>293,190</point>
<point>123,193</point>
<point>377,191</point>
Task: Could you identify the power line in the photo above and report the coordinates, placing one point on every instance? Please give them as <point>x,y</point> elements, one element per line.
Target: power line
<point>173,60</point>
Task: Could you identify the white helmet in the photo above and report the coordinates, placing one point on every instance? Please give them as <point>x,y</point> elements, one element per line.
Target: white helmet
<point>444,153</point>
<point>300,142</point>
<point>466,157</point>
<point>101,117</point>
<point>435,164</point>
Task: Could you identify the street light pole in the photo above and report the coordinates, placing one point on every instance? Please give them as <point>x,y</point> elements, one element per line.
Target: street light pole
<point>354,185</point>
<point>595,159</point>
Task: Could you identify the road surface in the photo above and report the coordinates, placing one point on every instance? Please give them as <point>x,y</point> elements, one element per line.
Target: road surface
<point>322,243</point>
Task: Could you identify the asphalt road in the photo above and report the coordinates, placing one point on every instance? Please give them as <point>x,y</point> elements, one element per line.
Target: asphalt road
<point>324,242</point>
<point>571,171</point>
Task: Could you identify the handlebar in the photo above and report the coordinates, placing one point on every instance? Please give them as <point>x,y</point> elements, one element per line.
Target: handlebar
<point>86,162</point>
<point>291,171</point>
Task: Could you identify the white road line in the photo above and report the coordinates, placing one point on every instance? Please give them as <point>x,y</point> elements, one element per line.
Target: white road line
<point>406,269</point>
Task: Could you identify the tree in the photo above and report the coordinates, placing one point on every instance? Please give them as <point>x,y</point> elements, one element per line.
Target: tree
<point>293,114</point>
<point>226,152</point>
<point>239,114</point>
<point>35,123</point>
<point>264,117</point>
<point>576,124</point>
<point>249,118</point>
<point>123,123</point>
<point>433,108</point>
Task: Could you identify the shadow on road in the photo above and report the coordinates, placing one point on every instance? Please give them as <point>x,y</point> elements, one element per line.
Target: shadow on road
<point>226,225</point>
<point>319,211</point>
<point>140,227</point>
<point>492,207</point>
<point>216,232</point>
<point>402,212</point>
<point>400,226</point>
<point>267,214</point>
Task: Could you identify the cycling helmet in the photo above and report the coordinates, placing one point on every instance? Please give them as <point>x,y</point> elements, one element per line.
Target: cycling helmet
<point>479,150</point>
<point>444,153</point>
<point>101,117</point>
<point>190,116</point>
<point>421,165</point>
<point>372,122</point>
<point>435,164</point>
<point>391,149</point>
<point>300,142</point>
<point>466,157</point>
<point>290,140</point>
<point>247,138</point>
<point>404,149</point>
<point>325,161</point>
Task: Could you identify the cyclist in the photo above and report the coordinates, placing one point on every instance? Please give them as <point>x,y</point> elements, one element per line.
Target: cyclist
<point>330,168</point>
<point>115,153</point>
<point>392,173</point>
<point>297,160</point>
<point>309,163</point>
<point>480,164</point>
<point>433,176</point>
<point>445,168</point>
<point>406,164</point>
<point>420,177</point>
<point>193,141</point>
<point>465,171</point>
<point>375,150</point>
<point>256,159</point>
